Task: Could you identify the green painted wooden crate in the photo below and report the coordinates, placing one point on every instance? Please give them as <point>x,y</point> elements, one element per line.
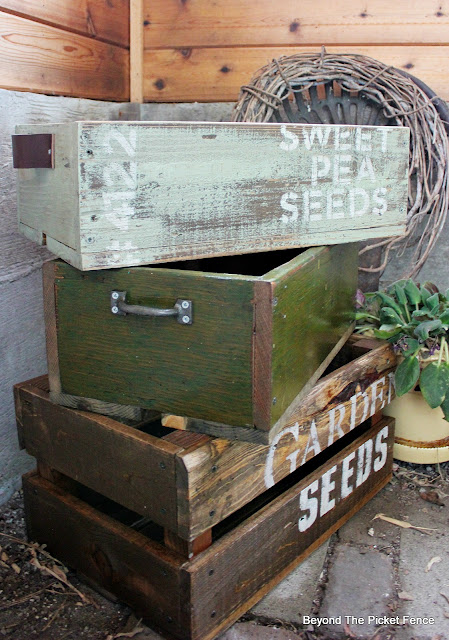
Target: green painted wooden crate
<point>256,343</point>
<point>116,194</point>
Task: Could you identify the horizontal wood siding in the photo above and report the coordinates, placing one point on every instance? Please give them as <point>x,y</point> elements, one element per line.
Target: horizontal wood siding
<point>99,19</point>
<point>216,74</point>
<point>44,59</point>
<point>204,51</point>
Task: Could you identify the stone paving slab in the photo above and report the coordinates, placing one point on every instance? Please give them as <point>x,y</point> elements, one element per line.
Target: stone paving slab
<point>417,550</point>
<point>251,631</point>
<point>293,597</point>
<point>360,585</point>
<point>357,528</point>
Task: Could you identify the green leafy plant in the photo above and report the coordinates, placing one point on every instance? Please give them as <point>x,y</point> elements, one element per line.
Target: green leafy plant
<point>415,319</point>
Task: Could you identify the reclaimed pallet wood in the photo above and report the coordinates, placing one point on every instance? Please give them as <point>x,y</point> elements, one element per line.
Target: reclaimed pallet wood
<point>259,337</point>
<point>136,193</point>
<point>189,482</point>
<point>199,598</point>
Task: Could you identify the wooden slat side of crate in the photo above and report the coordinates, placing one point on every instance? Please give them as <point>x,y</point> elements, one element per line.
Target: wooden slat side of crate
<point>202,479</point>
<point>264,328</point>
<point>197,599</point>
<point>126,464</point>
<point>225,188</point>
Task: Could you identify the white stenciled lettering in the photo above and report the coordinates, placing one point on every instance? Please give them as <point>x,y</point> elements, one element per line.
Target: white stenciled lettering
<point>116,172</point>
<point>335,204</point>
<point>320,168</point>
<point>335,426</point>
<point>380,201</point>
<point>377,396</point>
<point>362,139</point>
<point>354,406</point>
<point>327,486</point>
<point>290,141</point>
<point>312,134</point>
<point>381,448</point>
<point>269,466</point>
<point>313,443</point>
<point>312,202</point>
<point>342,169</point>
<point>384,133</point>
<point>366,169</point>
<point>128,145</point>
<point>340,134</point>
<point>346,473</point>
<point>289,206</point>
<point>309,505</point>
<point>358,202</point>
<point>364,459</point>
<point>119,208</point>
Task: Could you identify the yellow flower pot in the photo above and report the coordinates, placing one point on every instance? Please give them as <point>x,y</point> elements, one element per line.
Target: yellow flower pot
<point>422,434</point>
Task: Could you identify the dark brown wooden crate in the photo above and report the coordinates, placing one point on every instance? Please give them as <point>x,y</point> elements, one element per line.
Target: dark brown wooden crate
<point>188,482</point>
<point>197,599</point>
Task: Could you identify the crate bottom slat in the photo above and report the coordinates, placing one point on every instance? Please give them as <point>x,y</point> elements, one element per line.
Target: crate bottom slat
<point>197,599</point>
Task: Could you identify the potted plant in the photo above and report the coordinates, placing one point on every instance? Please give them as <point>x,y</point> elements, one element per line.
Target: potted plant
<point>415,319</point>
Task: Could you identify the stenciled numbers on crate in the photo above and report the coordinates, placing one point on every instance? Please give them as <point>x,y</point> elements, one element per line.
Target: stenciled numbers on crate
<point>135,193</point>
<point>119,203</point>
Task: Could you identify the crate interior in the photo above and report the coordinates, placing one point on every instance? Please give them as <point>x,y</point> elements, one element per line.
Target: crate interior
<point>251,264</point>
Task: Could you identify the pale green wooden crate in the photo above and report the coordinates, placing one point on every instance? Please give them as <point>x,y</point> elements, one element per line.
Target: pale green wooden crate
<point>135,193</point>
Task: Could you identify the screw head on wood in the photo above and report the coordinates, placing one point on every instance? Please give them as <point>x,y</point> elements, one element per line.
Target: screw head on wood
<point>114,295</point>
<point>114,309</point>
<point>184,304</point>
<point>186,319</point>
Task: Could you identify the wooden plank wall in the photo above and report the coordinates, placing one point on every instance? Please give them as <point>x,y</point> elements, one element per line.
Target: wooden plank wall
<point>197,50</point>
<point>61,47</point>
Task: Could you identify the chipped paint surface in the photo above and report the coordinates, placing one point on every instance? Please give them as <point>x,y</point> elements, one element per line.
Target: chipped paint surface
<point>151,192</point>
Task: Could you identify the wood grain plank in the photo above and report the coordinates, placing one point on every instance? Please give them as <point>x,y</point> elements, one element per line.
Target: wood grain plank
<point>99,19</point>
<point>121,560</point>
<point>310,316</point>
<point>41,58</point>
<point>262,353</point>
<point>121,215</point>
<point>221,475</point>
<point>51,332</point>
<point>170,23</point>
<point>216,74</point>
<point>136,51</point>
<point>111,358</point>
<point>245,559</point>
<point>137,470</point>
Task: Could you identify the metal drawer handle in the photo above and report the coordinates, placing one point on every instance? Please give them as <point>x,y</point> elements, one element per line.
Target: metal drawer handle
<point>182,310</point>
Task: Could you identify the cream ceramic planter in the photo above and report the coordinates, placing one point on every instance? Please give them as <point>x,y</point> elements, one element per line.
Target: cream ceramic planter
<point>422,434</point>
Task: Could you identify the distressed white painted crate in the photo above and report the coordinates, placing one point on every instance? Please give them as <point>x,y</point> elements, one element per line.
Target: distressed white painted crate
<point>134,193</point>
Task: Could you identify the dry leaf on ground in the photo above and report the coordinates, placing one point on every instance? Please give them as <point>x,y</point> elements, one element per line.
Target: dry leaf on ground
<point>431,496</point>
<point>431,562</point>
<point>402,523</point>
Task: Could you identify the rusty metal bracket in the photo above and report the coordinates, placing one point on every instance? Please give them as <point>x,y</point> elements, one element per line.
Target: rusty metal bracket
<point>33,151</point>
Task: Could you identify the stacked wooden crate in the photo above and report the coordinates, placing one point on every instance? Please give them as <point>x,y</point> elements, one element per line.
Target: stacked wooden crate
<point>192,529</point>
